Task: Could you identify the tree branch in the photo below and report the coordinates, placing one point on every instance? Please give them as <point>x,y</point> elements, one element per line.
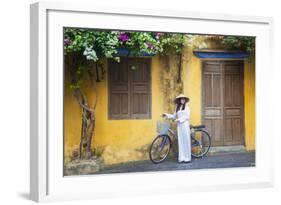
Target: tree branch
<point>95,88</point>
<point>80,100</point>
<point>179,68</point>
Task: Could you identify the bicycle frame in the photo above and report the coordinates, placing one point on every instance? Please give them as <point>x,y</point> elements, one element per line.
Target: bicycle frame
<point>173,133</point>
<point>166,139</point>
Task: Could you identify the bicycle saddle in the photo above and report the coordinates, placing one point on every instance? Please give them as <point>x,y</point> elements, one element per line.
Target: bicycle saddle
<point>198,126</point>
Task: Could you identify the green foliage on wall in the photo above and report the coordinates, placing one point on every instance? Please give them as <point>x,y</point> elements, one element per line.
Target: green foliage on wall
<point>240,43</point>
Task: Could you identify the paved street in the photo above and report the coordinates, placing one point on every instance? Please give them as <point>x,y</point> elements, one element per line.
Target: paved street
<point>218,160</point>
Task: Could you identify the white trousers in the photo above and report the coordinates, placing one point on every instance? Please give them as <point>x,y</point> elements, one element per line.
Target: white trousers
<point>184,142</point>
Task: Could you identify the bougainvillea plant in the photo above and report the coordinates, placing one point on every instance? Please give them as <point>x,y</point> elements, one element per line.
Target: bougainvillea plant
<point>84,51</point>
<point>96,44</point>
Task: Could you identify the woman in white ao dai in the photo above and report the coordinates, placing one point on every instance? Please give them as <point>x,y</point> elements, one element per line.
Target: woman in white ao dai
<point>181,116</point>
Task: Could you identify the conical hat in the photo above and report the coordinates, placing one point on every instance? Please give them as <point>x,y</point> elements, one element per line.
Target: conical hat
<point>182,96</point>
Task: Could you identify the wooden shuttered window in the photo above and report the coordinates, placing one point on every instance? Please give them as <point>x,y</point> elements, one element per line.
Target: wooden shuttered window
<point>129,88</point>
<point>118,90</point>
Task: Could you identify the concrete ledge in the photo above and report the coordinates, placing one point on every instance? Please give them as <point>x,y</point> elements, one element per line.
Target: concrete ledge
<point>82,167</point>
<point>219,149</point>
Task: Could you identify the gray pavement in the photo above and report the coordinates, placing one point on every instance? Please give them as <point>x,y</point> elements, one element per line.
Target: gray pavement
<point>215,160</point>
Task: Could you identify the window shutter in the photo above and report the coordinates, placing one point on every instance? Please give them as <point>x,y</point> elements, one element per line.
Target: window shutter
<point>118,90</point>
<point>139,75</point>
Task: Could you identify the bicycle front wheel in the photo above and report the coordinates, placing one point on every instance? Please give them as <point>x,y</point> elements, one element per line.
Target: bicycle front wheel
<point>160,148</point>
<point>200,143</point>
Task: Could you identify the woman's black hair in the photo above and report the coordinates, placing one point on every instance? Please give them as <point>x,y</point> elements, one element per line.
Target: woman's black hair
<point>178,102</point>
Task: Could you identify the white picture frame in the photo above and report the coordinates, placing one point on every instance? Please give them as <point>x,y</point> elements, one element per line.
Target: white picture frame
<point>46,157</point>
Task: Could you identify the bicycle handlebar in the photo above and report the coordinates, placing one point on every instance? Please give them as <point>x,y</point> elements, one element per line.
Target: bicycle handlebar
<point>191,126</point>
<point>165,116</point>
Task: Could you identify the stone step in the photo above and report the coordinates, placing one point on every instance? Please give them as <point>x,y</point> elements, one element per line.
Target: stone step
<point>229,149</point>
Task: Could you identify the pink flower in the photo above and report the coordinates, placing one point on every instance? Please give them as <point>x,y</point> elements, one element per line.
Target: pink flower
<point>66,41</point>
<point>157,34</point>
<point>149,45</point>
<point>123,37</point>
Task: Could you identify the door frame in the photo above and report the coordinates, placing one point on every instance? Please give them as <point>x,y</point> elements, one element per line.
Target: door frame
<point>222,96</point>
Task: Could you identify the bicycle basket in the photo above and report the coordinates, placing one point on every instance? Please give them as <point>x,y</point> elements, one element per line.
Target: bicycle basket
<point>163,127</point>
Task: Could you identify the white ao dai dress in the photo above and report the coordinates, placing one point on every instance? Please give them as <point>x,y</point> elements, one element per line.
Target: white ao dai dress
<point>183,130</point>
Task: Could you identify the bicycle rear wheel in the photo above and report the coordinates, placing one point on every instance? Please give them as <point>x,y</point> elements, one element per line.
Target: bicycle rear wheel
<point>200,143</point>
<point>159,148</point>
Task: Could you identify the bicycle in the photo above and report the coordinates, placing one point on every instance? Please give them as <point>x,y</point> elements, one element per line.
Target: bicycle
<point>161,145</point>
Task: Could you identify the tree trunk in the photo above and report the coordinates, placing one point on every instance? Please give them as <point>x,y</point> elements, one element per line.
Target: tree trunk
<point>88,114</point>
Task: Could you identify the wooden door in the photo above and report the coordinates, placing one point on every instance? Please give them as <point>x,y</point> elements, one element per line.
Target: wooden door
<point>212,100</point>
<point>222,101</point>
<point>233,103</point>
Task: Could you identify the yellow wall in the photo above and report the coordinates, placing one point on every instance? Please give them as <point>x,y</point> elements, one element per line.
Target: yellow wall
<point>192,87</point>
<point>125,140</point>
<point>249,105</point>
<point>122,140</point>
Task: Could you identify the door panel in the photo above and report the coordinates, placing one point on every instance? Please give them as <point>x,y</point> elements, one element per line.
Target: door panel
<point>216,88</point>
<point>222,101</point>
<point>233,107</point>
<point>212,103</point>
